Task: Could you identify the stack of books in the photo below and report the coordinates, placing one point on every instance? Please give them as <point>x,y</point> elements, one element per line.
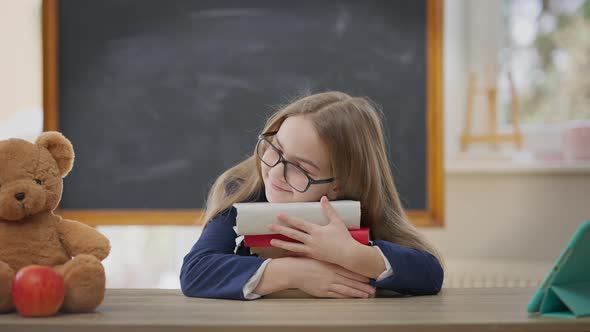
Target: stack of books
<point>259,244</point>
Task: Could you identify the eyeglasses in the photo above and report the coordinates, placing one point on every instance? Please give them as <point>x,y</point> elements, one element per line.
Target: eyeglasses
<point>295,176</point>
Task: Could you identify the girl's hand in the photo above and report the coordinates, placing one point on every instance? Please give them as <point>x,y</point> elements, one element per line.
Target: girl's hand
<point>322,279</point>
<point>330,243</point>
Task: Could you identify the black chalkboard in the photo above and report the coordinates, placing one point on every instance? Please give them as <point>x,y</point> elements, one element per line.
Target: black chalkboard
<point>160,96</point>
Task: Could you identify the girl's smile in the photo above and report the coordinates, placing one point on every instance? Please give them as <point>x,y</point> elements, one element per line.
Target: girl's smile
<point>279,189</point>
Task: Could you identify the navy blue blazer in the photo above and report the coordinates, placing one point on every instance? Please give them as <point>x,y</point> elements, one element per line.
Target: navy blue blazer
<point>215,269</point>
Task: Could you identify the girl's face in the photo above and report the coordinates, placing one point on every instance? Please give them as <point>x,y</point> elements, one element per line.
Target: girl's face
<point>300,144</point>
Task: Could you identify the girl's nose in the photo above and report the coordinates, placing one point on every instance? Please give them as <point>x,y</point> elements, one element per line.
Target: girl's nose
<point>278,172</point>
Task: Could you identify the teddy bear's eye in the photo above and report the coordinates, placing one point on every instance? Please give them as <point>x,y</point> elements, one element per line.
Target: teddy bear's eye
<point>37,181</point>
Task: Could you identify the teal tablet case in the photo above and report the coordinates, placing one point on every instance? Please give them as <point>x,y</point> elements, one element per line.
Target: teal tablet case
<point>565,292</point>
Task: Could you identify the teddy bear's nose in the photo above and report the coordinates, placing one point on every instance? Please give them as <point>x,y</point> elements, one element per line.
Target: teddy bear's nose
<point>19,196</point>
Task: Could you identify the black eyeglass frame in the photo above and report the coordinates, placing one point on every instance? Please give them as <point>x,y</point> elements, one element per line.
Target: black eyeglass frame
<point>264,137</point>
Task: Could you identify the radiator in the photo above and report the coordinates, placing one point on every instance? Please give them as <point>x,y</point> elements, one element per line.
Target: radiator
<point>487,273</point>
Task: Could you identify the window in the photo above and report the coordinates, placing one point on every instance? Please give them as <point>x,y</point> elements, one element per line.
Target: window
<point>546,46</point>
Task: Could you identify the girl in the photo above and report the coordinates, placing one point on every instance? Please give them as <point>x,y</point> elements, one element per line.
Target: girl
<point>326,146</point>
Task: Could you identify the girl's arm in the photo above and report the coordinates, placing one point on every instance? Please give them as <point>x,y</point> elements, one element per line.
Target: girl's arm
<point>317,278</point>
<point>415,272</point>
<point>211,269</point>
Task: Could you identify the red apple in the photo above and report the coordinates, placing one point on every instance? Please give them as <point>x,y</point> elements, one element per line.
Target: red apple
<point>37,291</point>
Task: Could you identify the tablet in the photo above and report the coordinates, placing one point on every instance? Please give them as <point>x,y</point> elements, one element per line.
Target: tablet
<point>565,291</point>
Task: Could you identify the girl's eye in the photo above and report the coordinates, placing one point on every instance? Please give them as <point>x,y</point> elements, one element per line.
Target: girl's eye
<point>37,181</point>
<point>303,168</point>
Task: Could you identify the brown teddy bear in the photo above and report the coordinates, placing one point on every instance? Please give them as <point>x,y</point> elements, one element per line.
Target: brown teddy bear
<point>30,189</point>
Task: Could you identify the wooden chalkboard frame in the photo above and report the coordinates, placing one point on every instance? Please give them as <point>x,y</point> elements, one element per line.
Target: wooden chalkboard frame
<point>433,216</point>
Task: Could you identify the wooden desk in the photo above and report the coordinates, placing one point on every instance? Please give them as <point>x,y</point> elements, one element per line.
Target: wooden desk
<point>168,310</point>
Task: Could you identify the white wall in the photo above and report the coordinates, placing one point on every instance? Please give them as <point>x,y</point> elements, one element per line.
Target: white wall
<point>455,66</point>
<point>21,69</point>
<point>511,215</point>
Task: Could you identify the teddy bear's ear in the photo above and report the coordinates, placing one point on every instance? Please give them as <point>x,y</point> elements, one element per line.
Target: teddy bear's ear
<point>60,148</point>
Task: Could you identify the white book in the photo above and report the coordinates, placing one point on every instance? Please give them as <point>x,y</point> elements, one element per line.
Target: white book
<point>254,218</point>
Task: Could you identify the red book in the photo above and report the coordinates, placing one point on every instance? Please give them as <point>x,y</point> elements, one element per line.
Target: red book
<point>263,240</point>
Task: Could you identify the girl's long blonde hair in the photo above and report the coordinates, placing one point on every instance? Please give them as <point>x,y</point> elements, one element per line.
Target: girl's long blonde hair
<point>352,129</point>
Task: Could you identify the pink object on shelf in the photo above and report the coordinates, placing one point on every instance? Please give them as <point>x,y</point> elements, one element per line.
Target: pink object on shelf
<point>576,140</point>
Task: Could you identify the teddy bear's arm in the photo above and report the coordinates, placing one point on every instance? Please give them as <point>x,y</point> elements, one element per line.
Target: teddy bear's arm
<point>78,238</point>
